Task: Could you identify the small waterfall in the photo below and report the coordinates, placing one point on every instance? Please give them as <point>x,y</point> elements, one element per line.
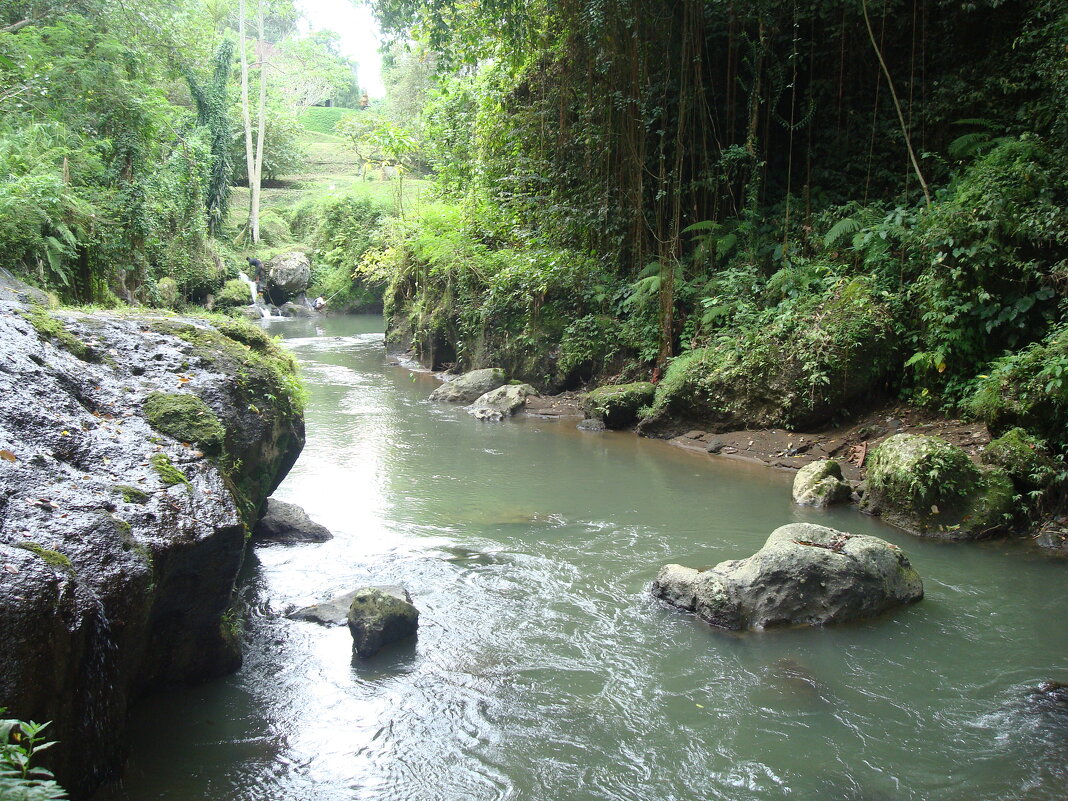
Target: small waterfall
<point>265,311</point>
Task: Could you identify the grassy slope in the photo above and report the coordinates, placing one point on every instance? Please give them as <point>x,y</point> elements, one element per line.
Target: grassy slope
<point>331,168</point>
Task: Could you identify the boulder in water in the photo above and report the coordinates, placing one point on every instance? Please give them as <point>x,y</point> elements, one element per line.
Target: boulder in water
<point>501,402</point>
<point>287,523</point>
<point>380,615</point>
<point>804,574</point>
<point>291,309</point>
<point>288,274</point>
<point>470,386</point>
<point>821,484</point>
<point>334,612</point>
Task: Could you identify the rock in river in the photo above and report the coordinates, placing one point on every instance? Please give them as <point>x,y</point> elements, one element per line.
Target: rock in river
<point>820,484</point>
<point>804,574</point>
<point>288,523</point>
<point>501,402</point>
<point>134,451</point>
<point>470,386</point>
<point>381,615</point>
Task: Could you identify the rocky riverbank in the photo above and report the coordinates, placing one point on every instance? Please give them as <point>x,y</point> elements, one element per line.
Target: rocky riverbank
<point>136,451</point>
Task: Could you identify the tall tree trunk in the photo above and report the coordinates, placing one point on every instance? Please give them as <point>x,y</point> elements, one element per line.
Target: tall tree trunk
<point>261,125</point>
<point>246,116</point>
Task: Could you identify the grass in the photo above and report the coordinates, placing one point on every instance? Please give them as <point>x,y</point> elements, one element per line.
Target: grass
<point>331,168</point>
<point>320,119</point>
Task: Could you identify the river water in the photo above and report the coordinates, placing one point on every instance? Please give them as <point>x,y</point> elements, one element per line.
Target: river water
<point>544,671</point>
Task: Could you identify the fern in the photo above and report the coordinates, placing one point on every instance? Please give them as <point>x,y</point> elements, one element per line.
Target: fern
<point>840,230</point>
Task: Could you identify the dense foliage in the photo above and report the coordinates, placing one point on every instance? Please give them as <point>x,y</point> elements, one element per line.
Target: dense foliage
<point>733,169</point>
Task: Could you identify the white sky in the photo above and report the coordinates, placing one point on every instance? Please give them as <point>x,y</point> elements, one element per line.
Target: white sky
<point>360,37</point>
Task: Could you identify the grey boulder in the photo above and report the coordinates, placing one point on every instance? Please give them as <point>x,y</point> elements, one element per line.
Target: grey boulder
<point>288,273</point>
<point>288,523</point>
<point>470,386</point>
<point>805,574</point>
<point>821,484</point>
<point>334,612</point>
<point>380,615</point>
<point>501,402</point>
<point>291,309</point>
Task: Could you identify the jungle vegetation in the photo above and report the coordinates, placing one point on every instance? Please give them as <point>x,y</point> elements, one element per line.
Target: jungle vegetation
<point>862,193</point>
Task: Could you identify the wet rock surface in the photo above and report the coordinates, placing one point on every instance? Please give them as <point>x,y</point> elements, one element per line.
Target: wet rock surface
<point>288,523</point>
<point>334,612</point>
<point>470,386</point>
<point>380,615</point>
<point>119,541</point>
<point>805,574</point>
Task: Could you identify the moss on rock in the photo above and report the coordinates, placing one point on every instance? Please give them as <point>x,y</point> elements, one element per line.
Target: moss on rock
<point>170,474</point>
<point>131,494</point>
<point>617,406</point>
<point>926,485</point>
<point>50,328</point>
<point>234,292</point>
<point>52,558</point>
<point>186,418</point>
<point>1024,458</point>
<point>820,484</point>
<point>806,364</point>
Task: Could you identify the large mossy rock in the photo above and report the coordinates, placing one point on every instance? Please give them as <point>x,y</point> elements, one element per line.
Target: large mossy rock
<point>381,615</point>
<point>928,486</point>
<point>502,402</point>
<point>136,452</point>
<point>1024,458</point>
<point>617,406</point>
<point>821,484</point>
<point>288,275</point>
<point>804,367</point>
<point>470,386</point>
<point>804,574</point>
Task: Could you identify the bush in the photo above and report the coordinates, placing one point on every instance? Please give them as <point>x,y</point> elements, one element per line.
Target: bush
<point>1028,389</point>
<point>235,292</point>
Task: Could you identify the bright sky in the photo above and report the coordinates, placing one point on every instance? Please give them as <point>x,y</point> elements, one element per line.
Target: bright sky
<point>359,35</point>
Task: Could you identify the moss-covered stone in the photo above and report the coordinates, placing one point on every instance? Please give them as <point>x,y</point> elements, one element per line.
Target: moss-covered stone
<point>131,494</point>
<point>821,484</point>
<point>1024,458</point>
<point>809,363</point>
<point>52,558</point>
<point>50,328</point>
<point>186,418</point>
<point>170,474</point>
<point>234,292</point>
<point>617,406</point>
<point>926,485</point>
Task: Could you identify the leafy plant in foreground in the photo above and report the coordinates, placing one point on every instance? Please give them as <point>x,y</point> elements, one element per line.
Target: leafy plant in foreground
<point>20,742</point>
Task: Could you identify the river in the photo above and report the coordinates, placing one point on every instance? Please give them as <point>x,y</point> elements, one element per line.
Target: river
<point>544,671</point>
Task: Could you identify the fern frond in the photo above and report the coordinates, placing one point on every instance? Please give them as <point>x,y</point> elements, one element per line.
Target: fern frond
<point>840,230</point>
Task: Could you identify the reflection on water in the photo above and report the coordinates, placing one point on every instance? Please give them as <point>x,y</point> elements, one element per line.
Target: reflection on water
<point>543,670</point>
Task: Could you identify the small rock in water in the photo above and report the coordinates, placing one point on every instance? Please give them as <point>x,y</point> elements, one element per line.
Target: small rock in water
<point>288,523</point>
<point>502,402</point>
<point>715,445</point>
<point>380,615</point>
<point>591,424</point>
<point>329,613</point>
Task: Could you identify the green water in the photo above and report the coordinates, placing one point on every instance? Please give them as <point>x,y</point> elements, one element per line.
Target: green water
<point>544,671</point>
